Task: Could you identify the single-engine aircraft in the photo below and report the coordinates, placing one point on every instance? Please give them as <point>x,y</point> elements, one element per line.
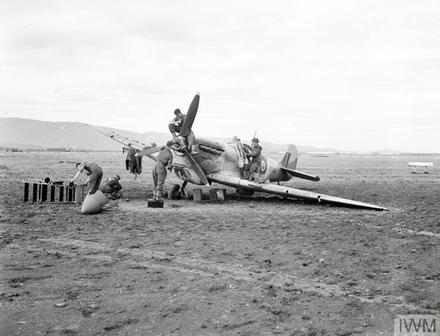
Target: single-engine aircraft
<point>223,163</point>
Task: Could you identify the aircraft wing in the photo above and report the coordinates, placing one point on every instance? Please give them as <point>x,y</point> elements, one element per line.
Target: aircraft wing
<point>239,183</point>
<point>120,138</point>
<point>123,140</point>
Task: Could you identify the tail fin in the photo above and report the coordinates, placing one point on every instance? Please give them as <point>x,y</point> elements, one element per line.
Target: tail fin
<point>290,158</point>
<point>287,168</point>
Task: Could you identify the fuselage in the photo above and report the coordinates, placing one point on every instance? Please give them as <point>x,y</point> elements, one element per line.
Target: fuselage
<point>229,159</point>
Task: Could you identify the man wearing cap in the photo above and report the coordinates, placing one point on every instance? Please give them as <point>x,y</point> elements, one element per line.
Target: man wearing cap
<point>112,188</point>
<point>255,156</point>
<point>94,173</point>
<point>175,125</point>
<point>164,161</point>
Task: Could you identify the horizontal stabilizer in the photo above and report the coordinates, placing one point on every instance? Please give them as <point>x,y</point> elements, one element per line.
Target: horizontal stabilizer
<point>297,173</point>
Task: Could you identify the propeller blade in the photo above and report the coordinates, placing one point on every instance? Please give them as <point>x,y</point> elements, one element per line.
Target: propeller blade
<point>195,166</point>
<point>190,116</point>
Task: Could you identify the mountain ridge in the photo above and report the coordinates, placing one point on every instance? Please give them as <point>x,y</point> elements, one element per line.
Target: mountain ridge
<point>37,134</point>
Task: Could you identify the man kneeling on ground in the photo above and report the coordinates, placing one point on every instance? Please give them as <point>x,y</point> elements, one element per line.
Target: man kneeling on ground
<point>112,188</point>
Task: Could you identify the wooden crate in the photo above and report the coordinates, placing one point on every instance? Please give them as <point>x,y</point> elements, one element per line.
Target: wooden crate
<point>197,195</point>
<point>217,194</point>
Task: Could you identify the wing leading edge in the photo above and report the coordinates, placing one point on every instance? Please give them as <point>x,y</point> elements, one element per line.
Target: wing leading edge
<point>119,138</point>
<point>141,147</point>
<point>237,182</point>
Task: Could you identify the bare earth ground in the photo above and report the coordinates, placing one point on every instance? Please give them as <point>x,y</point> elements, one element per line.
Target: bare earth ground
<point>250,267</point>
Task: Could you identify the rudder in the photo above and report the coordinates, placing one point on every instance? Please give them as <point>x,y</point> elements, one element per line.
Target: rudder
<point>290,158</point>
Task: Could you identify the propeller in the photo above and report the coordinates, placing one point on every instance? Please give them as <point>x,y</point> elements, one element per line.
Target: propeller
<point>185,131</point>
<point>195,166</point>
<point>190,116</point>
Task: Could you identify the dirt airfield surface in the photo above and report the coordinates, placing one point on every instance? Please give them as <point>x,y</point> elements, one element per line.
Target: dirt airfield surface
<point>261,266</point>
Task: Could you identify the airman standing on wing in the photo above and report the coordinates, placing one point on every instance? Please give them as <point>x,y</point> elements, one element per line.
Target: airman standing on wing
<point>164,161</point>
<point>255,156</point>
<point>175,125</point>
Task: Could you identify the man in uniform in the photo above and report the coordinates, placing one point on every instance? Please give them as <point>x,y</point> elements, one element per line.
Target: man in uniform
<point>175,125</point>
<point>242,159</point>
<point>255,156</point>
<point>132,161</point>
<point>94,173</point>
<point>164,161</point>
<point>112,188</point>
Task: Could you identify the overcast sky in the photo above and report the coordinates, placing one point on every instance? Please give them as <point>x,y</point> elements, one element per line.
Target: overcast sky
<point>354,75</point>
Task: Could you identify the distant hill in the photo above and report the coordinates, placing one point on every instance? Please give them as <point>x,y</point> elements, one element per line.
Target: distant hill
<point>29,133</point>
<point>37,134</point>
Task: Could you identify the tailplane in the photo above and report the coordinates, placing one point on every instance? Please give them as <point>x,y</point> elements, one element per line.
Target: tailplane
<point>287,168</point>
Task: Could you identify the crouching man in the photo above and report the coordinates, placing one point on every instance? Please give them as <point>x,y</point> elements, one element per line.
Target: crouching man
<point>112,188</point>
